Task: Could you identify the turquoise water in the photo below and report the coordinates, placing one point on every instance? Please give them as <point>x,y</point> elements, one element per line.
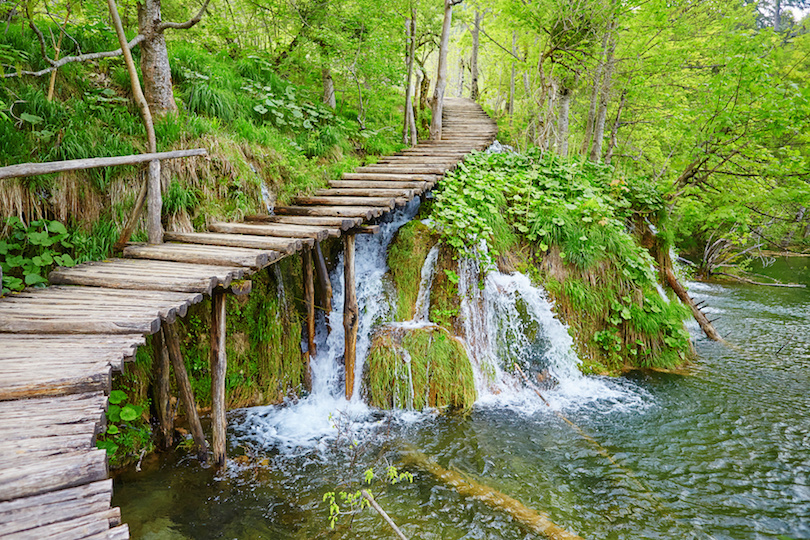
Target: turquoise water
<point>721,452</point>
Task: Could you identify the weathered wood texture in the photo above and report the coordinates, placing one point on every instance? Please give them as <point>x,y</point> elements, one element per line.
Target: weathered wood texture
<point>32,169</point>
<point>60,345</point>
<point>351,319</point>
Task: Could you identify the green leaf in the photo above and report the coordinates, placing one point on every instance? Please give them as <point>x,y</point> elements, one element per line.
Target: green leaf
<point>117,396</point>
<point>114,413</point>
<point>34,279</point>
<point>129,413</point>
<point>112,429</point>
<point>31,118</point>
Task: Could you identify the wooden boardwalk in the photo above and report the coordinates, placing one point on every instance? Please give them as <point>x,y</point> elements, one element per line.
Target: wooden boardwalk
<point>60,345</point>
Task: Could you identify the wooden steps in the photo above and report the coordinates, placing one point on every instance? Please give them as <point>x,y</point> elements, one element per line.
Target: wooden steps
<point>59,346</point>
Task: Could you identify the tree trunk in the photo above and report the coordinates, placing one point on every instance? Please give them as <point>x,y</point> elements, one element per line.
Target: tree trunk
<point>328,88</point>
<point>597,84</point>
<point>512,79</point>
<point>441,73</point>
<point>474,56</point>
<point>157,74</point>
<point>154,200</point>
<point>604,97</point>
<point>562,121</point>
<point>777,16</point>
<point>409,128</point>
<point>614,132</point>
<point>461,72</point>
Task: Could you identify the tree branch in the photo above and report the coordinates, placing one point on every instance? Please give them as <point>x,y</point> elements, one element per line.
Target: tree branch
<point>80,58</point>
<point>184,25</point>
<point>510,53</point>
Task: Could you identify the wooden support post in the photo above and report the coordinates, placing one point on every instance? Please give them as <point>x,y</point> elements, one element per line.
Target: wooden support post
<point>219,366</point>
<point>162,391</point>
<point>324,285</point>
<point>172,341</point>
<point>309,299</point>
<point>351,320</point>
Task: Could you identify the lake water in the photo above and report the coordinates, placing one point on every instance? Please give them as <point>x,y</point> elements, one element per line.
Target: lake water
<point>721,452</point>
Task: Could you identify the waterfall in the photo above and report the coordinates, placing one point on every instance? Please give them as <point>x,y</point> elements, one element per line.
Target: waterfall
<point>421,313</point>
<point>310,422</point>
<point>505,319</point>
<point>509,320</point>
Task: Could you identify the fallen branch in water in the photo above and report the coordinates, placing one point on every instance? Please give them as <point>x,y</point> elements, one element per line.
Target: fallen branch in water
<point>383,513</point>
<point>468,487</point>
<point>701,319</point>
<point>752,282</point>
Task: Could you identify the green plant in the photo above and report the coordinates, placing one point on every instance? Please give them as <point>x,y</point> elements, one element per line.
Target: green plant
<point>30,251</point>
<point>127,432</point>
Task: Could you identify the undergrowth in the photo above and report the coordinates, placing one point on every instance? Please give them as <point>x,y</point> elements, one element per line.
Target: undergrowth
<point>581,224</point>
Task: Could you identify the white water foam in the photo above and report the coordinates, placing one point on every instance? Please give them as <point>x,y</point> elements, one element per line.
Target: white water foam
<point>311,422</point>
<point>498,319</point>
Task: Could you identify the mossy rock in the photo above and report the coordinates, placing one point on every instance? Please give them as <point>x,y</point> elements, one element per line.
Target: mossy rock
<point>406,256</point>
<point>430,359</point>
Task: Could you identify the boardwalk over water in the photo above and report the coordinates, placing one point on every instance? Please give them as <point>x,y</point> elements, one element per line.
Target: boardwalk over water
<point>60,345</point>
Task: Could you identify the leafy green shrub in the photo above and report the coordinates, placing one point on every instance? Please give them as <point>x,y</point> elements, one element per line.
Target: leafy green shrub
<point>127,432</point>
<point>30,251</point>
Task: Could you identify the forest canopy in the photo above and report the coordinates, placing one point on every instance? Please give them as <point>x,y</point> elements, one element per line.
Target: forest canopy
<point>709,99</point>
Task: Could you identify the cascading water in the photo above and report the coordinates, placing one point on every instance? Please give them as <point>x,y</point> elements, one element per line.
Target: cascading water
<point>310,421</point>
<point>505,319</point>
<point>508,320</point>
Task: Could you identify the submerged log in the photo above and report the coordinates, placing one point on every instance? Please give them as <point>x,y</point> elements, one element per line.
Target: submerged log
<point>493,498</point>
<point>701,319</point>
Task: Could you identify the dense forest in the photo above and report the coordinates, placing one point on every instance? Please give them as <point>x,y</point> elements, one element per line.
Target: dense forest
<point>709,100</point>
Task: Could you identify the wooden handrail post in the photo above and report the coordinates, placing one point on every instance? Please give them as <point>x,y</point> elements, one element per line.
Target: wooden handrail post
<point>309,299</point>
<point>219,367</point>
<point>351,319</point>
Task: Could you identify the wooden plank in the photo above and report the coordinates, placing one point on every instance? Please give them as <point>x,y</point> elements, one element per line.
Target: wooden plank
<point>402,169</point>
<point>416,187</point>
<point>391,177</point>
<point>383,202</point>
<point>24,515</point>
<point>365,192</point>
<point>365,212</point>
<point>58,472</point>
<point>77,325</point>
<point>197,253</point>
<point>56,380</point>
<point>282,245</point>
<point>276,229</point>
<point>316,221</point>
<point>61,306</point>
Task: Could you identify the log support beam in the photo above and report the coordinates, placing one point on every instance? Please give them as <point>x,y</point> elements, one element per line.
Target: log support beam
<point>351,319</point>
<point>172,341</point>
<point>309,300</point>
<point>324,285</point>
<point>219,366</point>
<point>162,391</point>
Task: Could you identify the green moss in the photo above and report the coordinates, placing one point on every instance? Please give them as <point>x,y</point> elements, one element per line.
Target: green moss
<point>419,368</point>
<point>406,256</point>
<point>444,300</point>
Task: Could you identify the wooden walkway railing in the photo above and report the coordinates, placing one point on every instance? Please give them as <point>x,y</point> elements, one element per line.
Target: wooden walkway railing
<point>60,345</point>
